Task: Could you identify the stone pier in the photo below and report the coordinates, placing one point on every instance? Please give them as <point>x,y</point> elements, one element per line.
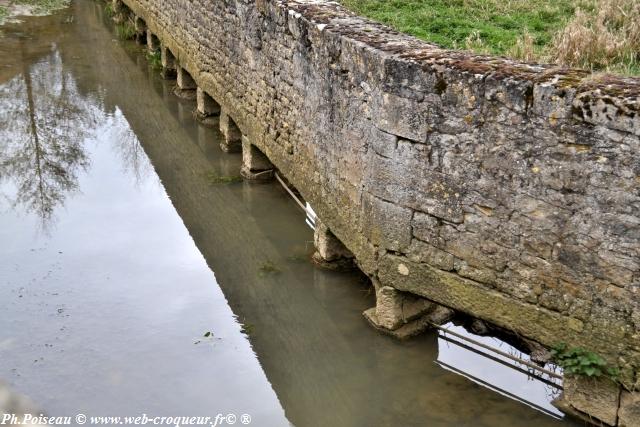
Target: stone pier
<point>232,136</point>
<point>141,30</point>
<point>256,167</point>
<point>330,253</point>
<point>404,315</point>
<point>153,43</point>
<point>168,62</point>
<point>186,86</point>
<point>207,108</point>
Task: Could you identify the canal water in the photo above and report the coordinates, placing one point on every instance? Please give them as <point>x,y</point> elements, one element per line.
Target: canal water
<point>133,282</point>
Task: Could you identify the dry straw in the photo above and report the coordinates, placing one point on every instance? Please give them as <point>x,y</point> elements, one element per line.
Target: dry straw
<point>605,37</point>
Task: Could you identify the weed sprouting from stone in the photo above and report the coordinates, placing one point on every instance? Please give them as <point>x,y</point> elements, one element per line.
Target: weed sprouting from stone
<point>580,362</point>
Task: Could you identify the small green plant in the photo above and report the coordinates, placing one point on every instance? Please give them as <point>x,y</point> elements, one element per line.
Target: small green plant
<point>268,267</point>
<point>214,178</point>
<point>580,362</point>
<point>108,10</point>
<point>154,59</point>
<point>125,31</point>
<point>247,328</point>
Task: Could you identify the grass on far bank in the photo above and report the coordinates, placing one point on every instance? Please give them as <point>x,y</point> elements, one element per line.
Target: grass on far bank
<point>601,35</point>
<point>4,12</point>
<point>12,8</point>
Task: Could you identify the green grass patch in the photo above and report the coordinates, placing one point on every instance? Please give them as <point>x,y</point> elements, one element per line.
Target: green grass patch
<point>125,30</point>
<point>155,59</point>
<point>108,10</point>
<point>601,35</point>
<point>455,24</point>
<point>43,7</point>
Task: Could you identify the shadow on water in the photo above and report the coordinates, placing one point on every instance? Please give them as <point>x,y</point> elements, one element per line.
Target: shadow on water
<point>324,363</point>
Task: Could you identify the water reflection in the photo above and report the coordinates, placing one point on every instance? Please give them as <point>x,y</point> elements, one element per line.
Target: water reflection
<point>45,123</point>
<point>134,160</point>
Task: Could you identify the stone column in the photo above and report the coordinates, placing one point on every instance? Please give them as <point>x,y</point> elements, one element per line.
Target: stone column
<point>256,167</point>
<point>153,43</point>
<point>404,315</point>
<point>186,87</point>
<point>206,107</point>
<point>232,137</point>
<point>330,252</point>
<point>168,63</point>
<point>141,30</point>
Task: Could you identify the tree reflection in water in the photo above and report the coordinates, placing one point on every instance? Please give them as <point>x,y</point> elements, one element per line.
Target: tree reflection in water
<point>128,147</point>
<point>44,123</point>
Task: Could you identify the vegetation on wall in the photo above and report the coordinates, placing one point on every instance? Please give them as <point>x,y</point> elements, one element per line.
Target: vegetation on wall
<point>577,361</point>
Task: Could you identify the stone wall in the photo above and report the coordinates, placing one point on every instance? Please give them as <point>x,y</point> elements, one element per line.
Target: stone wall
<point>504,190</point>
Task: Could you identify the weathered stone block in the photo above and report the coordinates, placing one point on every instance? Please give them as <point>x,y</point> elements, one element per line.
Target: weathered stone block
<point>629,413</point>
<point>426,228</point>
<point>386,224</point>
<point>420,251</point>
<point>400,116</point>
<point>597,397</point>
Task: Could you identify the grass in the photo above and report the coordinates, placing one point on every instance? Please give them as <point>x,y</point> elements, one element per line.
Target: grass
<point>4,12</point>
<point>43,7</point>
<point>125,30</point>
<point>532,30</point>
<point>154,59</point>
<point>34,7</point>
<point>108,10</point>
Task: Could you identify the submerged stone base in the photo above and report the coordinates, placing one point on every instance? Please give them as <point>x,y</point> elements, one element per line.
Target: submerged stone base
<point>403,315</point>
<point>330,252</point>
